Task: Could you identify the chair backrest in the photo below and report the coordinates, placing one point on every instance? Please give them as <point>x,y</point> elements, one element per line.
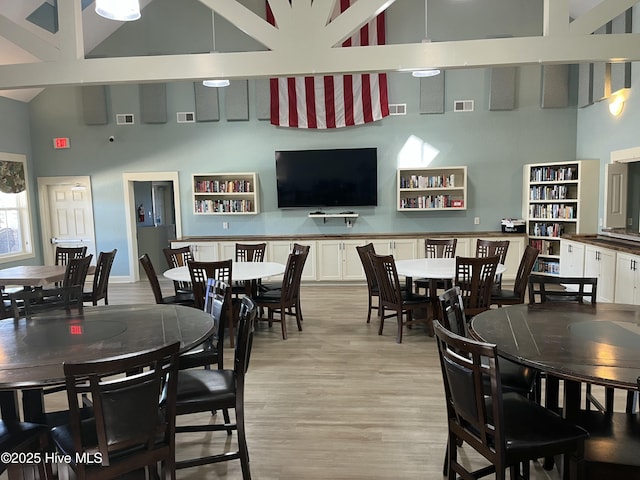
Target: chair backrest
<point>25,303</point>
<point>552,288</point>
<point>364,252</point>
<point>178,257</point>
<point>527,262</point>
<point>452,312</point>
<point>468,369</point>
<point>390,290</point>
<point>475,278</point>
<point>292,277</point>
<point>246,252</point>
<point>101,275</point>
<point>134,414</point>
<point>147,264</point>
<point>244,341</point>
<point>298,249</point>
<point>76,271</point>
<point>201,271</point>
<point>211,351</point>
<point>440,248</point>
<point>491,248</point>
<point>64,254</point>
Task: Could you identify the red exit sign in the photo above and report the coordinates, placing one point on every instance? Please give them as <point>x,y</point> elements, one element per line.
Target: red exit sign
<point>61,142</point>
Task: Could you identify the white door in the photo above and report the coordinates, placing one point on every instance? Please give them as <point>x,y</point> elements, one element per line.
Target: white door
<point>67,214</point>
<point>615,195</point>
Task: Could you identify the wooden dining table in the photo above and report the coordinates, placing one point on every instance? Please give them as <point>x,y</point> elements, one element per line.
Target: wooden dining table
<point>578,343</point>
<point>33,350</point>
<point>34,275</point>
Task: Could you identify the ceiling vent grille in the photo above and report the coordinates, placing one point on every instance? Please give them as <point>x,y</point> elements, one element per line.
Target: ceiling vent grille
<point>186,117</point>
<point>463,106</point>
<point>124,119</point>
<point>397,109</point>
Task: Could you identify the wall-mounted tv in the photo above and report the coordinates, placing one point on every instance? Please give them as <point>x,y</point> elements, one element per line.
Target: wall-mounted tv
<point>345,177</point>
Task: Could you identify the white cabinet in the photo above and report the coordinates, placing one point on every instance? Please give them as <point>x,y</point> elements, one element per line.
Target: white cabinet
<point>514,253</point>
<point>400,248</point>
<point>429,189</point>
<point>279,250</point>
<point>601,263</point>
<point>339,260</point>
<point>225,194</point>
<point>627,278</point>
<point>559,198</point>
<point>202,251</point>
<point>571,258</point>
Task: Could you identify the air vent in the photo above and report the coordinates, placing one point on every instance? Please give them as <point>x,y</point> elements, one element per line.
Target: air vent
<point>463,106</point>
<point>398,109</point>
<point>124,119</point>
<point>186,117</point>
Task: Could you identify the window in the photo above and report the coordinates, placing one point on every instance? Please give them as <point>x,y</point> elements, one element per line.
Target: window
<point>15,216</point>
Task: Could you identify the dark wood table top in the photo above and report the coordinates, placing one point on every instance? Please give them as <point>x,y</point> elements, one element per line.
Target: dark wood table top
<point>596,344</point>
<point>32,350</point>
<point>35,275</point>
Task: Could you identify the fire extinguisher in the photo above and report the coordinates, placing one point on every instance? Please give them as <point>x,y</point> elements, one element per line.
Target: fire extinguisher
<point>140,213</point>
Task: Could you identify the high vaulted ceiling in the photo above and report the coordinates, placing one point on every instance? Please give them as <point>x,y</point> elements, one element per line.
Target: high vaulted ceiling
<point>32,57</point>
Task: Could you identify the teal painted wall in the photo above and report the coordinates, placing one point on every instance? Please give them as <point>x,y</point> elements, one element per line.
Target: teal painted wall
<point>494,145</point>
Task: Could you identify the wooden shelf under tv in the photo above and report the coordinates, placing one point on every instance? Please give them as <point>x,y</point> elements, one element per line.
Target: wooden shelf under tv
<point>325,216</point>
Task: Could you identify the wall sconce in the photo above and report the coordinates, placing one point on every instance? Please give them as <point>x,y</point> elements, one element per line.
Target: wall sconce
<point>617,105</point>
<point>121,10</point>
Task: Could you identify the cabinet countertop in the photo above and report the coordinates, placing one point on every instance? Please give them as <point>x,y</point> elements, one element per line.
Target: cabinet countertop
<point>606,241</point>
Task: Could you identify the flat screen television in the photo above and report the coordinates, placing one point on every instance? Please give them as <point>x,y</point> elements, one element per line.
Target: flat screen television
<point>327,178</point>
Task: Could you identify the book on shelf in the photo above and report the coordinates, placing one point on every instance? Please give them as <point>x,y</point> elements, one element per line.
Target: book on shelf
<point>554,174</point>
<point>552,210</point>
<point>432,181</point>
<point>431,201</point>
<point>223,186</point>
<point>223,206</point>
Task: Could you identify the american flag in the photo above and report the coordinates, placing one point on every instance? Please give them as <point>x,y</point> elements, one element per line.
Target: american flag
<point>333,101</point>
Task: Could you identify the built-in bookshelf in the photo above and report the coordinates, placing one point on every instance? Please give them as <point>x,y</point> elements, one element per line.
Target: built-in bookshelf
<point>559,198</point>
<point>225,194</point>
<point>429,189</point>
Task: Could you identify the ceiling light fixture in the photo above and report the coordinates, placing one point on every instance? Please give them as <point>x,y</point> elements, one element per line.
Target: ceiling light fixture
<point>427,72</point>
<point>221,82</point>
<point>121,10</point>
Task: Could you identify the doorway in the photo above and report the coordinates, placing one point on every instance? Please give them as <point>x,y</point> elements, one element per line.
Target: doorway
<point>155,214</point>
<point>66,207</point>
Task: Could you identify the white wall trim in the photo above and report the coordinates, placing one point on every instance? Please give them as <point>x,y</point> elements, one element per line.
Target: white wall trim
<point>626,155</point>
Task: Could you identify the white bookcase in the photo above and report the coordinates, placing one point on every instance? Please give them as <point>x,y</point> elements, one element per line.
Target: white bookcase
<point>559,198</point>
<point>430,189</point>
<point>225,194</point>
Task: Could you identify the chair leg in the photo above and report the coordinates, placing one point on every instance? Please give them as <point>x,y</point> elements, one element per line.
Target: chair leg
<point>400,326</point>
<point>381,315</point>
<point>283,322</point>
<point>298,318</point>
<point>370,308</point>
<point>243,450</point>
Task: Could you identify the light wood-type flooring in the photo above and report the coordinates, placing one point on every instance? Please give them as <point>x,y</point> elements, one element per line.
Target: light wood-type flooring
<point>335,401</point>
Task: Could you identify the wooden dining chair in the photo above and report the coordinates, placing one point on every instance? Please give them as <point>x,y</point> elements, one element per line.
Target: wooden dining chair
<point>64,254</point>
<point>27,303</point>
<point>133,422</point>
<point>406,307</point>
<point>101,278</point>
<point>507,429</point>
<point>501,297</point>
<point>554,288</point>
<point>372,284</point>
<point>180,299</point>
<point>436,248</point>
<point>179,257</point>
<point>76,271</point>
<point>249,252</point>
<point>475,276</point>
<point>22,440</point>
<point>490,248</point>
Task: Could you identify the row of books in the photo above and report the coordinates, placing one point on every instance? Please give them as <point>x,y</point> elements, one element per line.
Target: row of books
<point>559,210</point>
<point>547,266</point>
<point>433,181</point>
<point>431,201</point>
<point>553,174</point>
<point>546,247</point>
<point>223,206</point>
<point>557,192</point>
<point>222,186</point>
<point>547,230</point>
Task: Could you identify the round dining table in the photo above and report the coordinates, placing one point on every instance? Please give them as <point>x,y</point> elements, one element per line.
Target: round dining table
<point>240,272</point>
<point>33,350</point>
<point>432,268</point>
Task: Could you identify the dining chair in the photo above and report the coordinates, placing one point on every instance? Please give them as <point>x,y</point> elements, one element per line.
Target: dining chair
<point>248,252</point>
<point>24,439</point>
<point>201,390</point>
<point>26,303</point>
<point>392,297</point>
<point>133,423</point>
<point>286,300</point>
<point>475,276</point>
<point>179,257</point>
<point>372,284</point>
<point>507,429</point>
<point>554,288</point>
<point>490,248</point>
<point>221,270</point>
<point>180,299</point>
<point>503,297</point>
<point>296,249</point>
<point>64,254</point>
<point>101,278</point>
<point>76,271</point>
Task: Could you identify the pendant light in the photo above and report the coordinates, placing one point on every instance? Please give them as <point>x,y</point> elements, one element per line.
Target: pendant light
<point>221,82</point>
<point>121,10</point>
<point>428,72</point>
